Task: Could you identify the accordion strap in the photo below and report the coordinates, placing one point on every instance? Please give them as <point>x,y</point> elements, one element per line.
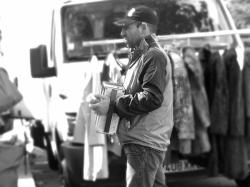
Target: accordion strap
<point>110,110</point>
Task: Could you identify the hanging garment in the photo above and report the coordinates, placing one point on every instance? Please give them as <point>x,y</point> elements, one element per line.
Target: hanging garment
<point>183,109</point>
<point>215,160</point>
<point>246,92</point>
<point>236,158</point>
<point>201,143</point>
<point>95,155</point>
<point>229,151</point>
<point>79,131</point>
<point>236,103</point>
<point>114,69</point>
<point>105,72</point>
<point>205,55</point>
<point>219,106</point>
<point>95,164</point>
<point>215,80</point>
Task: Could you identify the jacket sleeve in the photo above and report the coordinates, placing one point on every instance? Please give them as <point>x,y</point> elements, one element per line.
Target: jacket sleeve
<point>149,96</point>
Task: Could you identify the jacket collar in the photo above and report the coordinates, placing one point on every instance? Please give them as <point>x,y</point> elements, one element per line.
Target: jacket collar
<point>141,48</point>
<point>145,43</point>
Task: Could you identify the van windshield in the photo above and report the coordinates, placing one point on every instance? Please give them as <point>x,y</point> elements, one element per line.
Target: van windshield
<point>94,21</point>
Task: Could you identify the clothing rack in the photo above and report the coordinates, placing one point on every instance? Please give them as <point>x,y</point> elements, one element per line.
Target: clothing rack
<point>206,34</point>
<point>173,37</point>
<point>187,37</point>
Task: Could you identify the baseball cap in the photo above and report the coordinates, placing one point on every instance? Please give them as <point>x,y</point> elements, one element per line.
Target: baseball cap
<point>140,13</point>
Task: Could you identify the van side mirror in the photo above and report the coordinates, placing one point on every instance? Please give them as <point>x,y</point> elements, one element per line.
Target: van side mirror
<point>39,63</point>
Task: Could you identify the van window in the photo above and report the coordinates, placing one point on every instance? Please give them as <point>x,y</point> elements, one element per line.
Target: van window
<point>94,21</point>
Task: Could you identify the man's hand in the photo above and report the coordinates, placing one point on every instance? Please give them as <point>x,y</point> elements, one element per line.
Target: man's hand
<point>99,104</point>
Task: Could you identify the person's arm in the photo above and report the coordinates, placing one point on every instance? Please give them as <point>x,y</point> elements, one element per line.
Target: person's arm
<point>153,82</point>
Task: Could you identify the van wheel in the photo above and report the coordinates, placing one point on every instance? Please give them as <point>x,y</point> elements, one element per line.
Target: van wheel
<point>59,151</point>
<point>243,183</point>
<point>52,160</point>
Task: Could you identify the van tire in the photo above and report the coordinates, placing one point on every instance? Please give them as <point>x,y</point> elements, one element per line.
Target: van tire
<point>52,160</point>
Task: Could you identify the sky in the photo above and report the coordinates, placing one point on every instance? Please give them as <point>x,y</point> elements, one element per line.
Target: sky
<point>24,24</point>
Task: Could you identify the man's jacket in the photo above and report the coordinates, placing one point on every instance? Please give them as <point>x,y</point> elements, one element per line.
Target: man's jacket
<point>146,109</point>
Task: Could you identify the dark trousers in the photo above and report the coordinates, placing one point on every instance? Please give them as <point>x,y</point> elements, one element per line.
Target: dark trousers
<point>144,166</point>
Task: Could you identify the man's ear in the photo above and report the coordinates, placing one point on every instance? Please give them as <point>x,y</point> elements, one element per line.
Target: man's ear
<point>145,29</point>
<point>144,26</point>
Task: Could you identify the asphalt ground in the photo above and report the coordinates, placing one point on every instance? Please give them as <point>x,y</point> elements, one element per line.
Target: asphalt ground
<point>45,177</point>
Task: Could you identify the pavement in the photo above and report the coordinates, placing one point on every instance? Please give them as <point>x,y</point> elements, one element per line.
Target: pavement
<point>25,177</point>
<point>45,177</point>
<point>40,175</point>
<point>35,172</point>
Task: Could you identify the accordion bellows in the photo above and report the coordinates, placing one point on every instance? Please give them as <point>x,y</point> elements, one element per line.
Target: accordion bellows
<point>108,123</point>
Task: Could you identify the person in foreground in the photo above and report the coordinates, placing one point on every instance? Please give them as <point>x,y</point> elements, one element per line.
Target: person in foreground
<point>146,108</point>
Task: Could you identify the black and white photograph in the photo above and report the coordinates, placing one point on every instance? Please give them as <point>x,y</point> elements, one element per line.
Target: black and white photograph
<point>125,93</point>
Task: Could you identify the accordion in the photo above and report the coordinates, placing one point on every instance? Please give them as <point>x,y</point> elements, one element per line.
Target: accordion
<point>108,123</point>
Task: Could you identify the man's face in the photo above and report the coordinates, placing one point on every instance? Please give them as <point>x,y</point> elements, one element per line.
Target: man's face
<point>131,33</point>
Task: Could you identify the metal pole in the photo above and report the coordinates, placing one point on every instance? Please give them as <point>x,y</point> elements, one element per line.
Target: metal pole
<point>174,36</point>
